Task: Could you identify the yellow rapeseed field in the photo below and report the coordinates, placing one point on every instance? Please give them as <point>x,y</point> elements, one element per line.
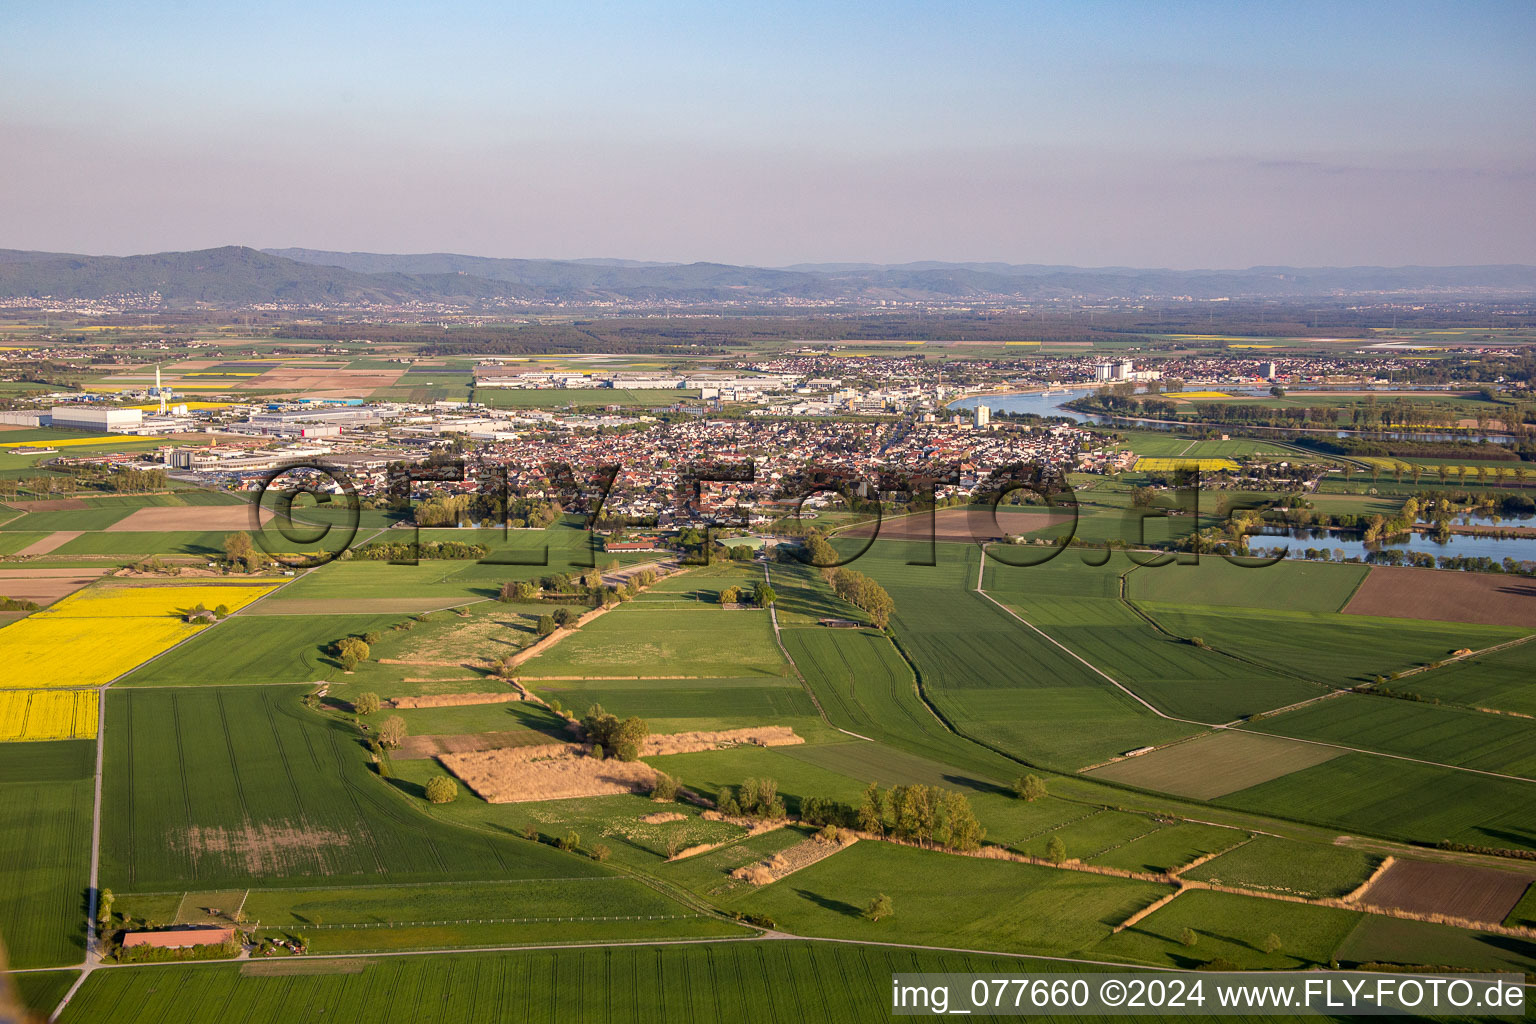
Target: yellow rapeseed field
<point>70,442</point>
<point>1149,465</point>
<point>99,633</point>
<point>27,716</point>
<point>150,602</point>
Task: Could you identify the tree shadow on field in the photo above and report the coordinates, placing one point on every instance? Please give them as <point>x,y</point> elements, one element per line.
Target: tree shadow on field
<point>1522,948</point>
<point>1522,840</point>
<point>978,785</point>
<point>828,903</point>
<point>411,789</point>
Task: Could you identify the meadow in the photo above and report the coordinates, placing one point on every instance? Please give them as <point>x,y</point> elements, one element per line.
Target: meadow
<point>702,641</point>
<point>1233,927</point>
<point>377,917</point>
<point>1289,867</point>
<point>980,903</point>
<point>45,805</point>
<point>245,785</point>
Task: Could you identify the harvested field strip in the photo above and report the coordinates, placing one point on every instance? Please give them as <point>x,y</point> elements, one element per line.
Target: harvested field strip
<point>449,700</point>
<point>1449,890</point>
<point>560,771</point>
<point>52,542</point>
<point>419,748</point>
<point>786,862</point>
<point>510,776</point>
<point>31,715</point>
<point>1215,764</point>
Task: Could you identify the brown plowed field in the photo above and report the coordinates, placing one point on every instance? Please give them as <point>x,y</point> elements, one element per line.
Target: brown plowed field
<point>50,505</point>
<point>1455,890</point>
<point>959,524</point>
<point>190,517</point>
<point>1446,596</point>
<point>45,586</point>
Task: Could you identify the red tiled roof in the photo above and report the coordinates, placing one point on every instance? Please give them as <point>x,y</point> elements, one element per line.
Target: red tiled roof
<point>176,938</point>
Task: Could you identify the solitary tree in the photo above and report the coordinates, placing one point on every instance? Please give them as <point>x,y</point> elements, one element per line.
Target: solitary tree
<point>730,595</point>
<point>239,550</point>
<point>1055,850</point>
<point>665,787</point>
<point>1029,788</point>
<point>1272,943</point>
<point>546,625</point>
<point>764,595</point>
<point>366,703</point>
<point>441,789</point>
<point>569,841</point>
<point>879,907</point>
<point>392,732</point>
<point>1188,937</point>
<point>564,617</point>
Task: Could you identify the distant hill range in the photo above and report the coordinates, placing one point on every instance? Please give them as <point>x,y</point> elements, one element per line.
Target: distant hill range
<point>235,276</point>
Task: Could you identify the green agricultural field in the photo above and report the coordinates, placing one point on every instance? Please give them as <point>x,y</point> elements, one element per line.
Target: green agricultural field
<point>13,541</point>
<point>633,639</point>
<point>1494,743</point>
<point>1502,680</point>
<point>97,517</point>
<point>1080,607</point>
<point>40,991</point>
<point>1339,650</point>
<point>132,544</point>
<point>1289,586</point>
<point>996,904</point>
<point>45,843</point>
<point>259,649</point>
<point>1364,793</point>
<point>1289,867</point>
<point>702,983</point>
<point>1386,940</point>
<point>245,785</point>
<point>865,686</point>
<point>995,680</point>
<point>1233,927</point>
<point>682,705</point>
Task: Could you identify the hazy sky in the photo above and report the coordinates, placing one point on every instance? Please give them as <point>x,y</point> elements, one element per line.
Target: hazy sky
<point>1181,135</point>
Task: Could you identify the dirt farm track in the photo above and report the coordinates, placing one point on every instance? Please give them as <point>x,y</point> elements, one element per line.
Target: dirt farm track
<point>1488,598</point>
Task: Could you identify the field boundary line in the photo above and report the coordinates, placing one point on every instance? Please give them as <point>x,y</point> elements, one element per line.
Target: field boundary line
<point>981,569</point>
